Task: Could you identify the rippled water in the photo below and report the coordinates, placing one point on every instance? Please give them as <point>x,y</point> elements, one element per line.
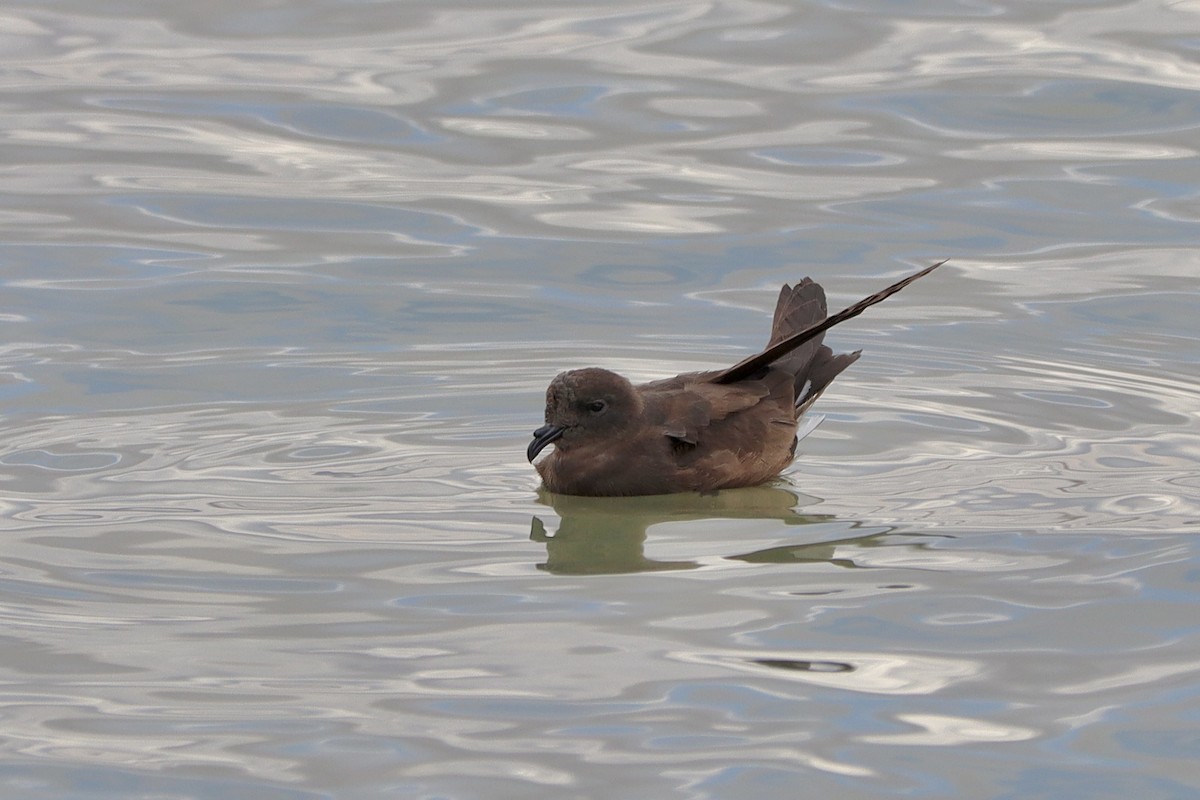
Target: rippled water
<point>283,285</point>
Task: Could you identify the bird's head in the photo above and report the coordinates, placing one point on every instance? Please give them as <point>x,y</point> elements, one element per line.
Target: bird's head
<point>584,405</point>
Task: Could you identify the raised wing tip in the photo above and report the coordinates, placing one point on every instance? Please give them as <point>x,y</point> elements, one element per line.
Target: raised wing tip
<point>748,365</point>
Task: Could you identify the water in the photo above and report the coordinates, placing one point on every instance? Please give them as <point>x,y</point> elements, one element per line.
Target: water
<point>283,286</point>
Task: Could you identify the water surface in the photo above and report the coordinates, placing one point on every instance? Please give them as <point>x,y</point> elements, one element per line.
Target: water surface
<point>282,289</point>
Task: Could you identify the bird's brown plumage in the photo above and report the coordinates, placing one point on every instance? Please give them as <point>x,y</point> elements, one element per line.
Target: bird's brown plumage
<point>700,431</point>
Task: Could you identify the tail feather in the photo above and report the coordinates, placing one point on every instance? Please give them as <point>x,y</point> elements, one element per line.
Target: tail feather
<point>820,373</point>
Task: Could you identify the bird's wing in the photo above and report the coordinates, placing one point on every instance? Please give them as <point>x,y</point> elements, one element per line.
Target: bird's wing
<point>749,366</point>
<point>686,411</point>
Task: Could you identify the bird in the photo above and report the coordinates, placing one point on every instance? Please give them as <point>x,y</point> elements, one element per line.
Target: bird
<point>698,431</point>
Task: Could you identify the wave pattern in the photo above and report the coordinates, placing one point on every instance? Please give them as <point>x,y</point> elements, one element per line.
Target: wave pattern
<point>283,285</point>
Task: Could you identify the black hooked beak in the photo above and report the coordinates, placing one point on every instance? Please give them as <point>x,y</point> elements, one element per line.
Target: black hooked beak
<point>542,437</point>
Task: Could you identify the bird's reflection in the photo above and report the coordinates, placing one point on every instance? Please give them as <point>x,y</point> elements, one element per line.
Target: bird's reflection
<point>607,535</point>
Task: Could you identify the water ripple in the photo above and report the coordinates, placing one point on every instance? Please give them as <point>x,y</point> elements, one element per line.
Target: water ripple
<point>283,288</point>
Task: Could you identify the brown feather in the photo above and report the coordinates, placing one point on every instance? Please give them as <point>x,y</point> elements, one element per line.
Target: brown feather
<point>698,431</point>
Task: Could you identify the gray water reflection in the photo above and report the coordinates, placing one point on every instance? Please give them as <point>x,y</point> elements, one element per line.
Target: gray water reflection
<point>604,535</point>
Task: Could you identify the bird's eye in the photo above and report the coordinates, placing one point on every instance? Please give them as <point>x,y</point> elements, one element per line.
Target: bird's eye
<point>597,406</point>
